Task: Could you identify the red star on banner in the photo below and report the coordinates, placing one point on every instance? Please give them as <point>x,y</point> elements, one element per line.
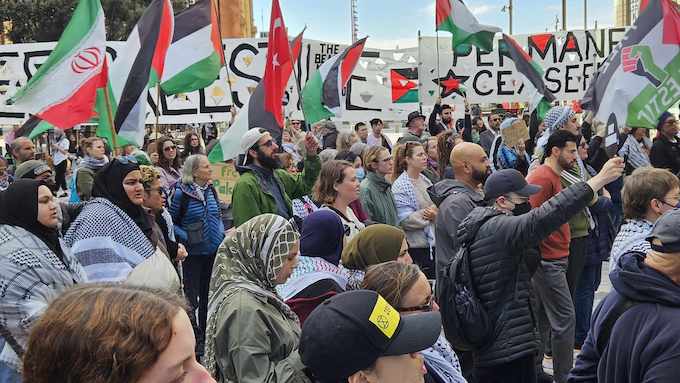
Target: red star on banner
<point>450,83</point>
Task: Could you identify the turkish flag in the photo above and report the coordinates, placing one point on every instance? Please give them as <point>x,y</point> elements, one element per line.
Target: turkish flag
<point>279,65</point>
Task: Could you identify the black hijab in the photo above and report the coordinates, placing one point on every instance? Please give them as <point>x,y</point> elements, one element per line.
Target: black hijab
<point>108,184</point>
<point>19,207</point>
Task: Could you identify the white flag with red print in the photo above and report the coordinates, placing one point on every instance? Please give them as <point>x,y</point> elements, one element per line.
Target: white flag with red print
<point>62,92</point>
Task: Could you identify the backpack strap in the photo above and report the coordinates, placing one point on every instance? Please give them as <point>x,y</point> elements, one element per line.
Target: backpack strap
<point>609,322</point>
<point>183,204</point>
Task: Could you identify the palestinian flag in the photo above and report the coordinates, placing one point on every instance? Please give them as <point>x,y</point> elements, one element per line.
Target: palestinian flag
<point>454,16</point>
<point>640,79</point>
<point>404,85</point>
<point>255,113</point>
<point>63,90</point>
<point>541,97</point>
<point>138,67</point>
<point>32,128</point>
<point>323,95</point>
<point>195,57</point>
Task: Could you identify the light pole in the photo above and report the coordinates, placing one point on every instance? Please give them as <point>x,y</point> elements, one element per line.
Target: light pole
<point>354,16</point>
<point>508,8</point>
<point>564,15</point>
<point>585,15</point>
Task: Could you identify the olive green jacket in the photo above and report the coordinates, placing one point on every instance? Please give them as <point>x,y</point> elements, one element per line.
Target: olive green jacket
<point>256,343</point>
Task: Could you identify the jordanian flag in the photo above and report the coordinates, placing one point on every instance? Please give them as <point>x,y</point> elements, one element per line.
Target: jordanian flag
<point>62,92</point>
<point>195,57</point>
<point>541,97</point>
<point>324,93</point>
<point>453,16</point>
<point>640,79</point>
<point>139,66</point>
<point>258,112</point>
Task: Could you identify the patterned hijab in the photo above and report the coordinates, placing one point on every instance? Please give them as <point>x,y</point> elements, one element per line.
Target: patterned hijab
<point>250,258</point>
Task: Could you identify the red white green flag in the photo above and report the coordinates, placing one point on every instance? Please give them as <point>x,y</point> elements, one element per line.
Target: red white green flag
<point>455,17</point>
<point>62,92</point>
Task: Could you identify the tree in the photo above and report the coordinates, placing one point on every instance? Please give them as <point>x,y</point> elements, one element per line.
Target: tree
<point>44,20</point>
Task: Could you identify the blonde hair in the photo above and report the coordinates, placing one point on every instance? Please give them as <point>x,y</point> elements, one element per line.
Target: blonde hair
<point>344,141</point>
<point>371,157</point>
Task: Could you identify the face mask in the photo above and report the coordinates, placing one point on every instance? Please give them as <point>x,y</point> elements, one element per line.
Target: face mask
<point>522,208</point>
<point>361,173</point>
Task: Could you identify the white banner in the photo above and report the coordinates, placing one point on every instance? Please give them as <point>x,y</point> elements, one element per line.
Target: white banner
<point>568,60</point>
<point>386,84</point>
<point>369,92</point>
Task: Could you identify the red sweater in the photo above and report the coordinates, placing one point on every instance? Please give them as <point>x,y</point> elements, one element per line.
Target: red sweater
<point>556,246</point>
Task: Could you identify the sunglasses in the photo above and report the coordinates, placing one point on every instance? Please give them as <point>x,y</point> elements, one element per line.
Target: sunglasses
<point>268,144</point>
<point>169,148</point>
<point>426,307</point>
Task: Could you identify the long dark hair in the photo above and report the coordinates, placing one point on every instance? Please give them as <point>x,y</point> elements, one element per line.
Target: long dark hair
<point>188,150</point>
<point>162,161</point>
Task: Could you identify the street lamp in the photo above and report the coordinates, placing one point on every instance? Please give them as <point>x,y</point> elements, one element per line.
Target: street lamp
<point>508,9</point>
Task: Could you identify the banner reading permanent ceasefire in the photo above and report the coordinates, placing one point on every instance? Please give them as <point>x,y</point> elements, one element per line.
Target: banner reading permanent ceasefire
<point>386,83</point>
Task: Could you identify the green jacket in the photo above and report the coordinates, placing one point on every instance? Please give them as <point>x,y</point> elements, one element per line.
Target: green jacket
<point>249,199</point>
<point>256,343</point>
<point>377,199</point>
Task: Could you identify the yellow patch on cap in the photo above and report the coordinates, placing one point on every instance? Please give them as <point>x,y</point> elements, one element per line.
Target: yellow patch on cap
<point>384,317</point>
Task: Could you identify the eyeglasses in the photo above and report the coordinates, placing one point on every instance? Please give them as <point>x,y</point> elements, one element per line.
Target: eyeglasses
<point>127,160</point>
<point>672,122</point>
<point>426,307</point>
<point>169,148</point>
<point>670,204</point>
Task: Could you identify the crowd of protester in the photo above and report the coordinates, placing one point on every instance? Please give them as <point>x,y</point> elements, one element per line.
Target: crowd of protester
<point>338,248</point>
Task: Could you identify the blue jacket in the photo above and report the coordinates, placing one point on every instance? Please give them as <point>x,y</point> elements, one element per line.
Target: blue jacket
<point>644,345</point>
<point>601,238</point>
<point>213,228</point>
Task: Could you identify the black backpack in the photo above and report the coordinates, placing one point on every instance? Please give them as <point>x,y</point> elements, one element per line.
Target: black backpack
<point>467,324</point>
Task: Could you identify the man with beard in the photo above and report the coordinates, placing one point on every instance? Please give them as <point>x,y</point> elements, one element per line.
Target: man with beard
<point>22,150</point>
<point>265,188</point>
<point>455,199</point>
<point>556,309</point>
<point>435,127</point>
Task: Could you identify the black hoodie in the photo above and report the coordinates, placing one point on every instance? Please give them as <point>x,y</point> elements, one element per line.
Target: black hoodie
<point>644,345</point>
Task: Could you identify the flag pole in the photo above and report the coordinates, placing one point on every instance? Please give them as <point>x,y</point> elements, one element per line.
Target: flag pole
<point>438,75</point>
<point>217,7</point>
<point>109,110</point>
<point>157,109</point>
<point>297,78</point>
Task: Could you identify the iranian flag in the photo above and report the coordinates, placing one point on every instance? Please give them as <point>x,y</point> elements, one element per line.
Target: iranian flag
<point>138,67</point>
<point>62,92</point>
<point>640,79</point>
<point>264,108</point>
<point>534,85</point>
<point>455,17</point>
<point>324,93</point>
<point>195,57</point>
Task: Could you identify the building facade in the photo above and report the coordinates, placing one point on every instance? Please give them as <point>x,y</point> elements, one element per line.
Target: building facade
<point>236,18</point>
<point>626,11</point>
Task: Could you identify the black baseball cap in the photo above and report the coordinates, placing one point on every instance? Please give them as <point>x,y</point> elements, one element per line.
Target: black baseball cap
<point>665,235</point>
<point>506,181</point>
<point>350,331</point>
<point>412,116</point>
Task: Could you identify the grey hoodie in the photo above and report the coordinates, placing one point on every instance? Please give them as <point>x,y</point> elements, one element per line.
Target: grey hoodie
<point>455,201</point>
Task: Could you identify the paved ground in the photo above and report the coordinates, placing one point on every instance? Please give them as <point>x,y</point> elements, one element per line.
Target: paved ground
<point>605,287</point>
